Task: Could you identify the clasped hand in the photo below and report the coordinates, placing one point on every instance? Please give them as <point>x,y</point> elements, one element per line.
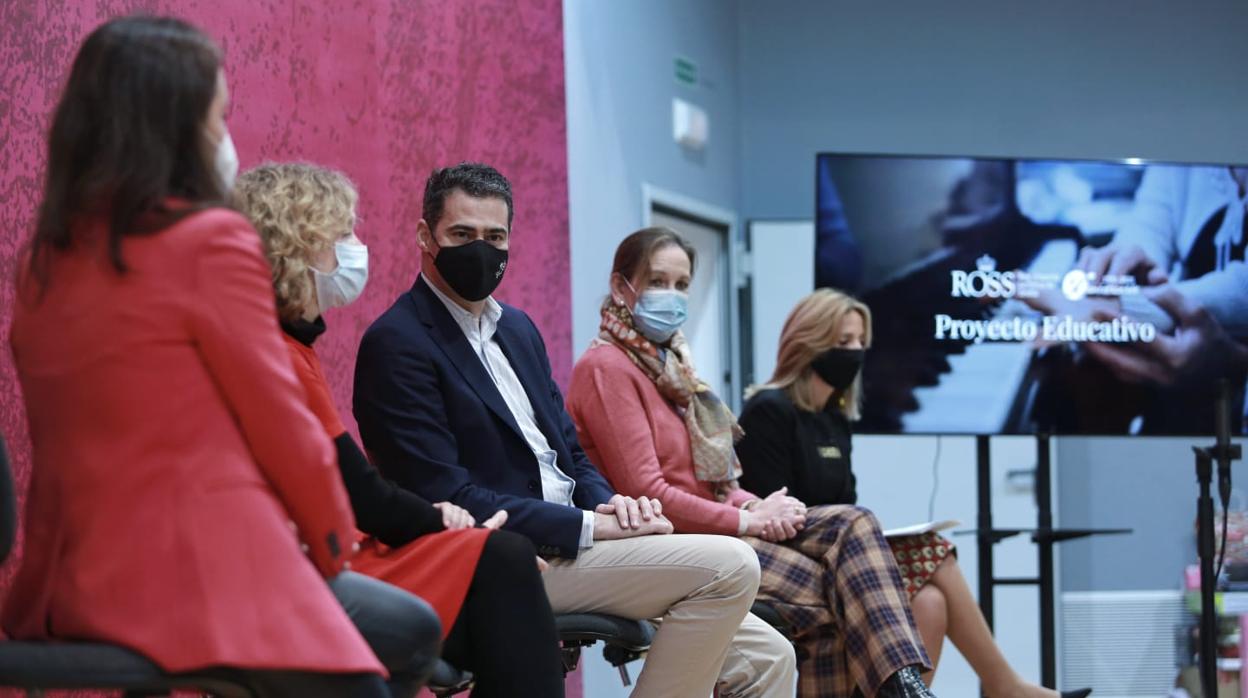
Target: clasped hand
<point>777,518</point>
<point>455,518</point>
<point>625,517</point>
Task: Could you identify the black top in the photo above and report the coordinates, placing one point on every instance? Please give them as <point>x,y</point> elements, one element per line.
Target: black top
<point>383,510</point>
<point>809,452</point>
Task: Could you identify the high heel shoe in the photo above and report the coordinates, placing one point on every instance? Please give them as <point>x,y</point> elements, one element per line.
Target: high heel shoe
<point>905,683</point>
<point>1081,693</point>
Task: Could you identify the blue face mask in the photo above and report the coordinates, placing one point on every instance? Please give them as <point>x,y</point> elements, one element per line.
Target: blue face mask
<point>658,313</point>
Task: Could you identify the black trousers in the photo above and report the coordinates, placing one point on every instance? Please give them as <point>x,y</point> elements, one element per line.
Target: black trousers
<point>505,633</point>
<point>302,684</point>
<point>400,628</point>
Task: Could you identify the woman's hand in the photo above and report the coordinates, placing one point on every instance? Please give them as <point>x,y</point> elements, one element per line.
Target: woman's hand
<point>777,518</point>
<point>496,521</point>
<point>455,518</point>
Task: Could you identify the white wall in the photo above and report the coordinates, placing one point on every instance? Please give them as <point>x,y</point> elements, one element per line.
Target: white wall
<point>945,466</point>
<point>1062,78</point>
<point>620,73</point>
<point>620,63</point>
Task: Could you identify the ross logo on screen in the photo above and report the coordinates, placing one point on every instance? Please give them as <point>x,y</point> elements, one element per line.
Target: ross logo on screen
<point>984,282</point>
<point>1076,283</point>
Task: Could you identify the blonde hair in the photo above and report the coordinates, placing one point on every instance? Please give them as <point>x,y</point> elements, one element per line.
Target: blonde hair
<point>299,210</point>
<point>810,330</point>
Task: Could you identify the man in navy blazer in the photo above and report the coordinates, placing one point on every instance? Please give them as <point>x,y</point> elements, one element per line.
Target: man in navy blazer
<point>403,426</point>
<point>455,401</point>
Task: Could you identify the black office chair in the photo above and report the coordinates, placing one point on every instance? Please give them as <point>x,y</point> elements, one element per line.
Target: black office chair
<point>625,640</point>
<point>39,666</point>
<point>772,617</point>
<point>446,680</point>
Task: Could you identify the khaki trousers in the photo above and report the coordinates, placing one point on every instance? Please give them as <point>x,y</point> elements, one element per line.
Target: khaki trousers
<point>700,588</point>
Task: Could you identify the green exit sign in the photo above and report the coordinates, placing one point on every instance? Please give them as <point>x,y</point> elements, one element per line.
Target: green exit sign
<point>686,71</point>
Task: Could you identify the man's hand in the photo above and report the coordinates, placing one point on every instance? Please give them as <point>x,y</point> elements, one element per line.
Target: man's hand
<point>1117,260</point>
<point>453,517</point>
<point>607,527</point>
<point>631,513</point>
<point>1200,350</point>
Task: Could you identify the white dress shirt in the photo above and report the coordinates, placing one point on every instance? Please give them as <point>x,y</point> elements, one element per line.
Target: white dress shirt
<point>557,487</point>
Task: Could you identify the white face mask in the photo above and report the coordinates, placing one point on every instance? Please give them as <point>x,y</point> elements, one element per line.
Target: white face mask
<point>226,162</point>
<point>343,285</point>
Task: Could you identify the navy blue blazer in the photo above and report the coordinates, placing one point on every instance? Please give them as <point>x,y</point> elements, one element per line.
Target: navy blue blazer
<point>432,420</point>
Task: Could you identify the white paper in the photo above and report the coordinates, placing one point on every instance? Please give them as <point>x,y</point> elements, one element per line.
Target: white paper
<point>916,529</point>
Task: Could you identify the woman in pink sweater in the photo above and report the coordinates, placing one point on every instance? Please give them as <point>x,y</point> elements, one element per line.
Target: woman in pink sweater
<point>656,430</point>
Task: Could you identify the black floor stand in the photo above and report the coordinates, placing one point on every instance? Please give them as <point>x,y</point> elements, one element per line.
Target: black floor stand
<point>1043,535</point>
<point>1223,452</point>
<point>1205,549</point>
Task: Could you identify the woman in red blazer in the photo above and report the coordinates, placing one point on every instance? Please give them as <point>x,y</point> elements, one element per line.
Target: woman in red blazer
<point>485,584</point>
<point>176,465</point>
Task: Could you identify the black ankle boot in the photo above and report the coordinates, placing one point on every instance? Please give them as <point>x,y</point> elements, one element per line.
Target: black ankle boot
<point>906,683</point>
<point>1081,693</point>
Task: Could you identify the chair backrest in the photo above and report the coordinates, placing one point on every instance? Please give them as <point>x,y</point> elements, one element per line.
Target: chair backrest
<point>8,504</point>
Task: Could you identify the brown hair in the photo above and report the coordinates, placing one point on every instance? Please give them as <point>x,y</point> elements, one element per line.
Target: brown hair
<point>810,330</point>
<point>633,255</point>
<point>299,210</point>
<point>128,135</point>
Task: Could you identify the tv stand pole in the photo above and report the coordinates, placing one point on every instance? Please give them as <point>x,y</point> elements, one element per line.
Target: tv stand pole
<point>984,539</point>
<point>1043,535</point>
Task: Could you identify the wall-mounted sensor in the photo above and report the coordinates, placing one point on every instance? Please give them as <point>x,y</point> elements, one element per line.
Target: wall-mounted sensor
<point>690,124</point>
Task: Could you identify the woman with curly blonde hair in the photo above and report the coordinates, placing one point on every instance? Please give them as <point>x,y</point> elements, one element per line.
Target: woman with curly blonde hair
<point>483,583</point>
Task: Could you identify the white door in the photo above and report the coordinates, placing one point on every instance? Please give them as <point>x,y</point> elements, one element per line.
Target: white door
<point>707,329</point>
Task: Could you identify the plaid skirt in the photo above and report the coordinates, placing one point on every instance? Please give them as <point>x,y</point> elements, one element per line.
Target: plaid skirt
<point>836,584</point>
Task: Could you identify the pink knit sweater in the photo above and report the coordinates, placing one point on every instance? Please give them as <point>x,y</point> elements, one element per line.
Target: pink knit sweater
<point>640,443</point>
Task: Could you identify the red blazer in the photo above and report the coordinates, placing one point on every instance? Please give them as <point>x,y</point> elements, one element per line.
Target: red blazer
<point>641,444</point>
<point>173,448</point>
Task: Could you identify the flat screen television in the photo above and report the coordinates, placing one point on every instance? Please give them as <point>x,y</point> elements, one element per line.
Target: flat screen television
<point>1017,296</point>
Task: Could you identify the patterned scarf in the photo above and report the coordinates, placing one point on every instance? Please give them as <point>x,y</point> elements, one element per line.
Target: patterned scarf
<point>712,427</point>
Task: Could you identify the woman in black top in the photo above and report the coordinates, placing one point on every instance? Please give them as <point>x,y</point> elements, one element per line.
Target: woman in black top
<point>798,434</point>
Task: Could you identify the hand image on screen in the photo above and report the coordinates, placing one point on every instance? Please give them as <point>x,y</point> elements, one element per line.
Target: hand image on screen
<point>994,278</point>
<point>1199,351</point>
<point>1120,259</point>
<point>1055,303</point>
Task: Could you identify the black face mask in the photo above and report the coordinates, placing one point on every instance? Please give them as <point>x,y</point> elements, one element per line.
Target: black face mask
<point>838,367</point>
<point>473,270</point>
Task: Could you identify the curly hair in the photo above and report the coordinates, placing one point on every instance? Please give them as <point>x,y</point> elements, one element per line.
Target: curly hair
<point>300,210</point>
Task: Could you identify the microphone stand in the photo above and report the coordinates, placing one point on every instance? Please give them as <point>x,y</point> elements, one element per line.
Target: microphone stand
<point>1223,452</point>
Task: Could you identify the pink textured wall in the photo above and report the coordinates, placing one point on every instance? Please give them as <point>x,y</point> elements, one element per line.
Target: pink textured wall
<point>382,89</point>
